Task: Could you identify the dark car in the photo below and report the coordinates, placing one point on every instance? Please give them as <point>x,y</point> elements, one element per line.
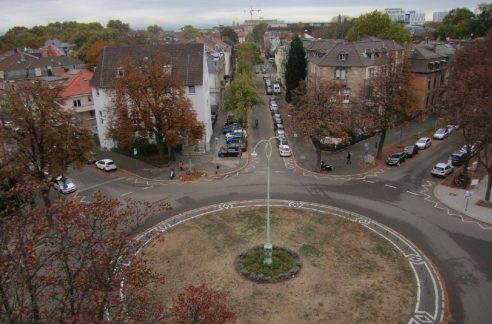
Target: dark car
<point>411,150</point>
<point>458,158</point>
<point>231,150</point>
<point>395,158</point>
<point>229,128</point>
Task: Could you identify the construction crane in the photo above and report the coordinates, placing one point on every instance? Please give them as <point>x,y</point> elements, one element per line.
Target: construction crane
<point>251,10</point>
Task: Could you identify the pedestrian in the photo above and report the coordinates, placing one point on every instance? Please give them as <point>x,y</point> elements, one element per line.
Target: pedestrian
<point>171,174</point>
<point>348,157</point>
<point>217,171</point>
<point>181,164</point>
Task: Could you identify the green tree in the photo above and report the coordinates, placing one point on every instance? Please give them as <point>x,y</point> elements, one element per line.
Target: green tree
<point>457,24</point>
<point>241,95</point>
<point>248,54</point>
<point>228,33</point>
<point>258,32</point>
<point>189,32</point>
<point>378,24</point>
<point>118,25</point>
<point>295,69</point>
<point>154,29</point>
<point>340,27</point>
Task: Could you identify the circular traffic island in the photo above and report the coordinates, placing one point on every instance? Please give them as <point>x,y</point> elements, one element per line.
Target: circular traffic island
<point>285,264</point>
<point>343,272</point>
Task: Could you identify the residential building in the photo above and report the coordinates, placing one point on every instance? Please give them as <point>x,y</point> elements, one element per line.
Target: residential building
<point>188,61</point>
<point>220,48</point>
<point>215,67</point>
<point>350,63</point>
<point>281,56</point>
<point>428,75</point>
<point>25,66</point>
<point>77,93</point>
<point>248,25</point>
<point>438,16</point>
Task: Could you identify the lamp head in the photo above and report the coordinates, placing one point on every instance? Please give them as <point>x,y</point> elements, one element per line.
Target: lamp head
<point>254,154</point>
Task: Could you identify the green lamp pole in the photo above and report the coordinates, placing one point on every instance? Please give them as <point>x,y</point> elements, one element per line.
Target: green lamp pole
<point>267,247</point>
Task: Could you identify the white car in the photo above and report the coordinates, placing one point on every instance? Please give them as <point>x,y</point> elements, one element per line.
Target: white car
<point>273,106</point>
<point>442,170</point>
<point>106,165</point>
<point>64,185</point>
<point>284,149</point>
<point>441,133</point>
<point>280,133</point>
<point>423,143</point>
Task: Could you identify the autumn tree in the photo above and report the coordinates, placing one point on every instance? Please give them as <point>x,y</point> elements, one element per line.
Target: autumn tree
<point>241,96</point>
<point>467,99</point>
<point>201,304</point>
<point>45,138</point>
<point>189,32</point>
<point>94,52</point>
<point>150,101</point>
<point>387,98</point>
<point>378,24</point>
<point>71,269</point>
<point>295,68</point>
<point>317,113</point>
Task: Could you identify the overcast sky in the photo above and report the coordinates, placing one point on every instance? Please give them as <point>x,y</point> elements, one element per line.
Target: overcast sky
<point>172,14</point>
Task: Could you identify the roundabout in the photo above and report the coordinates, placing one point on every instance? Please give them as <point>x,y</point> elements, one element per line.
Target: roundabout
<point>353,281</point>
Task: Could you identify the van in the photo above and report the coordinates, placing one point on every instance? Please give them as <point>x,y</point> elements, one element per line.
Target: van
<point>458,158</point>
<point>276,88</point>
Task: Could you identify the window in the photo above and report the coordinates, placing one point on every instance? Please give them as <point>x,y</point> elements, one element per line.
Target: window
<point>428,83</point>
<point>97,92</point>
<point>101,117</point>
<point>342,56</point>
<point>167,69</point>
<point>2,75</point>
<point>92,113</point>
<point>371,72</point>
<point>346,95</point>
<point>191,89</point>
<point>37,72</point>
<point>120,72</point>
<point>340,73</point>
<point>89,98</point>
<point>76,103</point>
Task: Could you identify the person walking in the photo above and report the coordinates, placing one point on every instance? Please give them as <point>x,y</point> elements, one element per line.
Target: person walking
<point>348,158</point>
<point>171,174</point>
<point>181,165</point>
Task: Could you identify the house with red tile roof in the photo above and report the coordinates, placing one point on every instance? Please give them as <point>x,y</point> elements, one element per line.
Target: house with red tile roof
<point>77,93</point>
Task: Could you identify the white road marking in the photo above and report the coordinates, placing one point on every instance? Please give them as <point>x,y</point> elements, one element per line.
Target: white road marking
<point>387,185</point>
<point>412,193</point>
<point>126,193</point>
<point>145,188</point>
<point>369,181</point>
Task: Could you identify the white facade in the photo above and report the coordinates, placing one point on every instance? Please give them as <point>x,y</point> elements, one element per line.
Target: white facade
<point>439,16</point>
<point>200,100</point>
<point>409,17</point>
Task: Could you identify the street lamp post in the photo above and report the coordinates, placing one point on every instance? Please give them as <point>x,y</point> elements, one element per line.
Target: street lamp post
<point>267,247</point>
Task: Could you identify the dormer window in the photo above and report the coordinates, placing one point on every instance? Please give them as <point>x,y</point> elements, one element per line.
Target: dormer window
<point>37,72</point>
<point>167,69</point>
<point>368,53</point>
<point>343,56</point>
<point>120,72</point>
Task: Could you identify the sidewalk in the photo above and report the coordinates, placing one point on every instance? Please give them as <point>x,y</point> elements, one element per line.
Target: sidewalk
<point>455,198</point>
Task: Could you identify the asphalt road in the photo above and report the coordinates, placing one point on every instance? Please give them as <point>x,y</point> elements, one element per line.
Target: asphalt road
<point>397,197</point>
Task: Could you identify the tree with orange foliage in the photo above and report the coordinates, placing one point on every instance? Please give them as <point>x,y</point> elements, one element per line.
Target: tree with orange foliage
<point>317,113</point>
<point>150,101</point>
<point>201,304</point>
<point>468,97</point>
<point>94,52</point>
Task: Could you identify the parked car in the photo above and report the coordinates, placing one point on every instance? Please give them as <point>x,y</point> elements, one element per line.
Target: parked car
<point>396,158</point>
<point>230,151</point>
<point>106,165</point>
<point>280,133</point>
<point>442,170</point>
<point>276,115</point>
<point>450,128</point>
<point>279,126</point>
<point>269,90</point>
<point>277,120</point>
<point>284,148</point>
<point>458,158</point>
<point>228,128</point>
<point>473,149</point>
<point>411,150</point>
<point>441,133</point>
<point>64,185</point>
<point>276,88</point>
<point>423,143</point>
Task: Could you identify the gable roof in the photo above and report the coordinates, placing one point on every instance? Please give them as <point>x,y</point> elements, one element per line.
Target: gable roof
<point>325,52</point>
<point>22,61</point>
<point>76,83</point>
<point>187,61</point>
<point>420,58</point>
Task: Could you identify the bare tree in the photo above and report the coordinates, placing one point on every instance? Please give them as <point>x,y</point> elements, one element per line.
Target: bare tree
<point>387,99</point>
